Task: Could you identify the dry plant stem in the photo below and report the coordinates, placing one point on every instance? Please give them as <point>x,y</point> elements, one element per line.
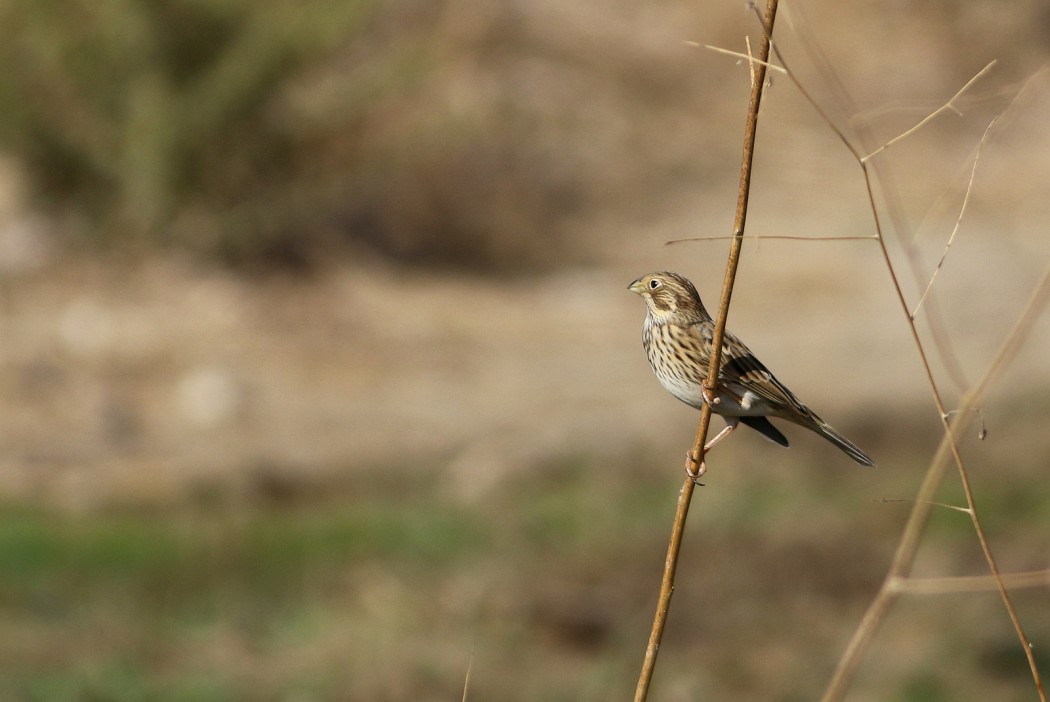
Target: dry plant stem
<point>971,583</point>
<point>663,606</point>
<point>779,237</point>
<point>950,105</point>
<point>868,143</point>
<point>909,543</point>
<point>909,540</point>
<point>958,220</point>
<point>470,672</point>
<point>758,76</point>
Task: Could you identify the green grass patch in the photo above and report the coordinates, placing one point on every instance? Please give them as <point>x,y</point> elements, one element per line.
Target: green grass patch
<point>135,606</point>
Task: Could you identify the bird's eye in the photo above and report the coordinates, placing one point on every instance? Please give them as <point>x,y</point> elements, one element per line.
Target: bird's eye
<point>654,284</point>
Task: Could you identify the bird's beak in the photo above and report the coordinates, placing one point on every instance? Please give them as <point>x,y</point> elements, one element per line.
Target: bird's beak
<point>636,287</point>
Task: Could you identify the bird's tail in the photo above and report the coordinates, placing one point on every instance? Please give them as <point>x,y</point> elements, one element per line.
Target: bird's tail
<point>850,448</point>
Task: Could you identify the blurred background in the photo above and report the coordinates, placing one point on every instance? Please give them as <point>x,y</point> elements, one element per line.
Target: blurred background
<point>320,378</point>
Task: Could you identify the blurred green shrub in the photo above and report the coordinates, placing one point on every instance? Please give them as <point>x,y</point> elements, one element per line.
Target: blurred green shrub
<point>276,131</point>
<point>131,111</point>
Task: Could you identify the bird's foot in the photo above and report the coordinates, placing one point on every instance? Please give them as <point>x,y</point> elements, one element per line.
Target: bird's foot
<point>709,395</point>
<point>694,467</point>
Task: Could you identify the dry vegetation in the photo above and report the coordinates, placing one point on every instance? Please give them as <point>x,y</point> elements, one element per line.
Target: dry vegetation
<point>413,419</point>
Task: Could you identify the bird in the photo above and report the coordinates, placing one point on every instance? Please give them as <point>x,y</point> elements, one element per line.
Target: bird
<point>677,336</point>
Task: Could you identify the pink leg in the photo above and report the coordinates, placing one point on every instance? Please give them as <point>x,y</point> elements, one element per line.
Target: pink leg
<point>730,426</point>
<point>694,467</point>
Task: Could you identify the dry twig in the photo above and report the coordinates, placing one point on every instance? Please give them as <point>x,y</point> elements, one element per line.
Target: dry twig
<point>950,105</point>
<point>758,76</point>
<point>948,451</point>
<point>958,220</point>
<point>781,237</point>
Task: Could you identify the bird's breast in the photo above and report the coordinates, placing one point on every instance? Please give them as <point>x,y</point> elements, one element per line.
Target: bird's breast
<point>679,362</point>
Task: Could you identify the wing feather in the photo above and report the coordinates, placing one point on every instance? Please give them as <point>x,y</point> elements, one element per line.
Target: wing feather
<point>743,372</point>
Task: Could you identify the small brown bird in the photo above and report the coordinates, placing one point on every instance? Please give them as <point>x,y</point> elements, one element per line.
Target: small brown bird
<point>677,337</point>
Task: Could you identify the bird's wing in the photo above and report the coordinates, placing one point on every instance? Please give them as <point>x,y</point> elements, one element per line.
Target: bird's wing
<point>742,372</point>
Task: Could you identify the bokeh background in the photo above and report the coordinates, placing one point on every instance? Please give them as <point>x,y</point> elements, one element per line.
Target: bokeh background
<point>320,380</point>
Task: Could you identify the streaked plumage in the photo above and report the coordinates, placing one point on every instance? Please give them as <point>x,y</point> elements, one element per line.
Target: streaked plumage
<point>677,337</point>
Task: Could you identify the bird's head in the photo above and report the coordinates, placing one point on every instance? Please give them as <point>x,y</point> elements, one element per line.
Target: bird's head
<point>669,295</point>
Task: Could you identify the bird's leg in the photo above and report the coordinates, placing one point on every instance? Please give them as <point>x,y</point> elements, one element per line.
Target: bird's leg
<point>730,426</point>
<point>694,467</point>
<point>709,394</point>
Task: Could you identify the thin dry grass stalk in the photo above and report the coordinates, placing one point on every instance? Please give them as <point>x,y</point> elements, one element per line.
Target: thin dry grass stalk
<point>908,546</point>
<point>959,219</point>
<point>910,539</point>
<point>952,422</point>
<point>469,673</point>
<point>896,577</point>
<point>781,237</point>
<point>950,105</point>
<point>971,583</point>
<point>758,80</point>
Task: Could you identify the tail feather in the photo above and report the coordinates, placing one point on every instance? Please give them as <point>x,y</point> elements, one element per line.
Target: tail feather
<point>766,429</point>
<point>847,446</point>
